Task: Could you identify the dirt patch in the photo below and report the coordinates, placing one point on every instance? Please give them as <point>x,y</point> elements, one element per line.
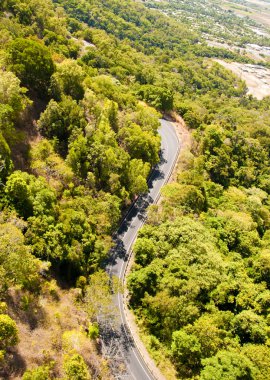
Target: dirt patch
<point>185,139</point>
<point>253,51</point>
<point>26,133</point>
<point>257,77</point>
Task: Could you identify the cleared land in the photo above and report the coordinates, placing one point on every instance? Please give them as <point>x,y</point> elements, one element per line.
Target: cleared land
<point>253,51</point>
<point>256,77</point>
<point>255,9</point>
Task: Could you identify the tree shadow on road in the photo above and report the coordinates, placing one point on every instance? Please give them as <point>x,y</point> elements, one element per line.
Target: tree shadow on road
<point>138,209</point>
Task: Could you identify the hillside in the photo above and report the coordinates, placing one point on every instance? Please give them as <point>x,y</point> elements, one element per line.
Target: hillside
<point>82,87</point>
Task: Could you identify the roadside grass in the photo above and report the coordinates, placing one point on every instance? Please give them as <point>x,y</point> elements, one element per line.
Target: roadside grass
<point>159,353</point>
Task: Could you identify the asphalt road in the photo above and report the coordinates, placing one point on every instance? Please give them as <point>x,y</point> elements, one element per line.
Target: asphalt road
<point>125,350</point>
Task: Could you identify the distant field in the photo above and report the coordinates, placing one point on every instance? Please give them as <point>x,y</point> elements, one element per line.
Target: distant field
<point>257,10</point>
<point>260,3</point>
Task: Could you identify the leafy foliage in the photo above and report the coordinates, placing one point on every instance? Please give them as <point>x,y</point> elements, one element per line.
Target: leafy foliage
<point>8,332</point>
<point>17,264</point>
<point>75,368</point>
<point>39,373</point>
<point>32,63</point>
<point>93,77</point>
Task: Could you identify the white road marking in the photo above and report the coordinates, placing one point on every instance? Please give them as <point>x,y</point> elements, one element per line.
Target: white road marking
<point>128,249</point>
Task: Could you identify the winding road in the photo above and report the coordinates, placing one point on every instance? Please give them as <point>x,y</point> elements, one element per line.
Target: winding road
<point>121,349</point>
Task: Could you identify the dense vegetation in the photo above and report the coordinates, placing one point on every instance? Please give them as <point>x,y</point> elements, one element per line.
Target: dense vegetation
<point>86,156</point>
<point>82,85</point>
<point>200,284</point>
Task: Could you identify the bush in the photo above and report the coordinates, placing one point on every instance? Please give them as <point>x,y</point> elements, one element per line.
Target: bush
<point>75,368</point>
<point>39,373</point>
<point>93,331</point>
<point>8,332</point>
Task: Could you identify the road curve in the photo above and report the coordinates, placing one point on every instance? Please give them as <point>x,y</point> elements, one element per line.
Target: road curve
<point>135,366</point>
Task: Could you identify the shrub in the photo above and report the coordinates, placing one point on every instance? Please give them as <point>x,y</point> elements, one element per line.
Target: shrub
<point>75,368</point>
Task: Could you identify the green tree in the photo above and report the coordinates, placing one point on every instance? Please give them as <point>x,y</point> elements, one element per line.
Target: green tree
<point>158,97</point>
<point>11,93</point>
<point>138,173</point>
<point>259,355</point>
<point>144,250</point>
<point>8,332</point>
<point>262,266</point>
<point>17,264</point>
<point>140,144</point>
<point>251,327</point>
<point>6,164</point>
<point>93,331</point>
<point>186,351</point>
<point>39,373</point>
<point>68,80</point>
<point>75,368</point>
<point>227,365</point>
<point>77,156</point>
<point>60,120</point>
<point>29,195</point>
<point>32,63</point>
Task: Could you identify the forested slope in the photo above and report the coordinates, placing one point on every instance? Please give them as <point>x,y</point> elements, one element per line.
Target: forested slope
<point>76,147</point>
<point>81,87</point>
